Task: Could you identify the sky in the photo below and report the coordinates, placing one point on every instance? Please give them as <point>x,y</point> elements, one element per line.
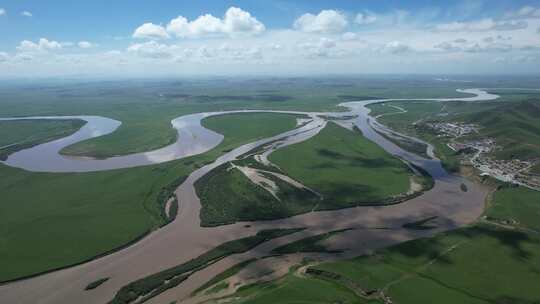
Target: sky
<point>273,38</point>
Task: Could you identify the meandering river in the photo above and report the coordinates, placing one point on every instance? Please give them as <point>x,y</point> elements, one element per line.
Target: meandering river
<point>184,238</point>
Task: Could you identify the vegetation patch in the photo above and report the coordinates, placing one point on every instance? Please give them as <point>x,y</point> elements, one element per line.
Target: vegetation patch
<point>293,289</point>
<point>514,126</point>
<point>90,214</point>
<point>16,135</point>
<point>483,263</point>
<point>96,284</point>
<point>517,206</point>
<point>228,196</point>
<point>143,289</point>
<point>223,276</point>
<point>422,224</point>
<point>309,244</point>
<point>346,168</point>
<point>166,194</point>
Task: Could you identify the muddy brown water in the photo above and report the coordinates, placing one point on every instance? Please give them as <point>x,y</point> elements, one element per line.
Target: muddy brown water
<point>184,239</point>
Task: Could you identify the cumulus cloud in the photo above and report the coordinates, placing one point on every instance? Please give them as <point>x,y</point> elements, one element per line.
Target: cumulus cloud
<point>447,46</point>
<point>327,21</point>
<point>3,57</point>
<point>150,31</point>
<point>524,12</point>
<point>2,12</point>
<point>487,24</point>
<point>490,45</point>
<point>42,44</point>
<point>23,57</point>
<point>235,22</point>
<point>26,14</point>
<point>348,36</point>
<point>323,47</point>
<point>151,49</point>
<point>85,44</point>
<point>365,18</point>
<point>395,47</point>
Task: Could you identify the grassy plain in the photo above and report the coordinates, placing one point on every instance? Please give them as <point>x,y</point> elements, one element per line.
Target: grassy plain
<point>228,196</point>
<point>294,290</point>
<point>146,107</point>
<point>482,263</point>
<point>22,134</point>
<point>347,169</point>
<point>343,166</point>
<point>518,205</point>
<point>50,220</point>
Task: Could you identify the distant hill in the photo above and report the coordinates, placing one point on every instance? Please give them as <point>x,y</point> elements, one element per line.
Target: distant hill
<point>514,126</point>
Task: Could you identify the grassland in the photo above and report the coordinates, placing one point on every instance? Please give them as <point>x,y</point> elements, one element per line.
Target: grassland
<point>519,206</point>
<point>346,168</point>
<point>22,134</point>
<point>228,196</point>
<point>50,220</point>
<point>146,107</point>
<point>514,126</point>
<point>294,290</point>
<point>483,263</point>
<point>535,169</point>
<point>269,124</point>
<point>223,276</point>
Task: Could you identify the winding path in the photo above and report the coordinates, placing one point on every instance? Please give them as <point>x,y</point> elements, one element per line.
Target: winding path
<point>185,239</point>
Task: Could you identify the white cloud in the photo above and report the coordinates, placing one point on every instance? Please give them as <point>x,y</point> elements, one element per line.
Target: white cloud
<point>487,24</point>
<point>3,57</point>
<point>365,18</point>
<point>327,21</point>
<point>23,57</point>
<point>85,44</point>
<point>524,12</point>
<point>151,49</point>
<point>524,59</point>
<point>42,44</point>
<point>349,36</point>
<point>235,22</point>
<point>2,12</point>
<point>490,45</point>
<point>26,14</point>
<point>395,47</point>
<point>150,31</point>
<point>324,47</point>
<point>447,46</point>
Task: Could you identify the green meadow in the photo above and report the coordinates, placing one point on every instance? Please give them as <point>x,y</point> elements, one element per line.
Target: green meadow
<point>51,220</point>
<point>22,134</point>
<point>344,167</point>
<point>482,263</point>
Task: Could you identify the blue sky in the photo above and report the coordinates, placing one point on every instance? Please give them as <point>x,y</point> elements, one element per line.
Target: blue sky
<point>50,38</point>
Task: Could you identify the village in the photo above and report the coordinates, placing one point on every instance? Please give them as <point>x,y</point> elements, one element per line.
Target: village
<point>477,153</point>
